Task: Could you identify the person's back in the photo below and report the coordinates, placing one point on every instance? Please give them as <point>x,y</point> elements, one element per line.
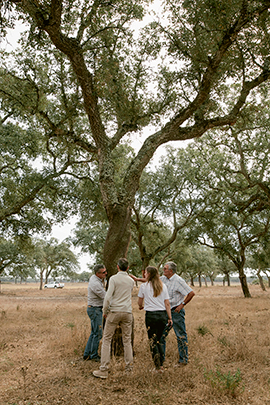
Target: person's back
<point>157,310</point>
<point>117,310</point>
<point>118,296</point>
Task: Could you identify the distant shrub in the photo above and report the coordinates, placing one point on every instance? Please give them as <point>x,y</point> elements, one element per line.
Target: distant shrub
<point>256,282</point>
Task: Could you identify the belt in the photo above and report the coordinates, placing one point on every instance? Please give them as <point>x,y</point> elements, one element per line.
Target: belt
<point>92,306</point>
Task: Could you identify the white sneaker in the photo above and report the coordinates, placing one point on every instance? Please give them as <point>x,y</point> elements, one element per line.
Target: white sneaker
<point>100,374</point>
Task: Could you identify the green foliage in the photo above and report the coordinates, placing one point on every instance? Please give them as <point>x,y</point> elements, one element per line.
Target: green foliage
<point>54,259</point>
<point>71,103</point>
<point>203,330</point>
<point>229,383</point>
<point>83,276</point>
<point>237,219</point>
<point>70,325</point>
<point>166,203</point>
<point>16,257</point>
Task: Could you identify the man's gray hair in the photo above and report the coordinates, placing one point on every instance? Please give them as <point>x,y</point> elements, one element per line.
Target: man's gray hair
<point>172,266</point>
<point>98,267</point>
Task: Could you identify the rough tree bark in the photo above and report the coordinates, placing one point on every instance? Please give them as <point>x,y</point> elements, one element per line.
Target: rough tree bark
<point>243,281</point>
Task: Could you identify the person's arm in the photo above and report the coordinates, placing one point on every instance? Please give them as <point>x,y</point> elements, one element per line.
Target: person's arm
<point>140,302</point>
<point>168,310</point>
<point>186,300</point>
<point>137,279</point>
<point>99,290</point>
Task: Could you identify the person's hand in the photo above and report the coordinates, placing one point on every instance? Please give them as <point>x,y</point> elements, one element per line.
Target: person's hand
<point>104,316</point>
<point>178,309</point>
<point>140,308</point>
<point>170,322</point>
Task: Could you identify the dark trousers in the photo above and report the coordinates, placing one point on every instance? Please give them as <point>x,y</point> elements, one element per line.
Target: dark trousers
<point>155,322</point>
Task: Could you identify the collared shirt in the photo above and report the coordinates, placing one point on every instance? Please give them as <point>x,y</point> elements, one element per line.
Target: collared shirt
<point>177,289</point>
<point>96,292</point>
<point>118,295</point>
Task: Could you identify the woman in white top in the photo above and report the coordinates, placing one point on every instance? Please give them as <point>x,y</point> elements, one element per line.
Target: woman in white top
<point>158,311</point>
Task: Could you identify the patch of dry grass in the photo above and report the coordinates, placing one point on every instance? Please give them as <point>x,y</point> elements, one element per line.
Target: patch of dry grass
<point>43,335</point>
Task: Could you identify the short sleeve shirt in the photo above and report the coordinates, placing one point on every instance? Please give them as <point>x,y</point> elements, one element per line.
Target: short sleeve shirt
<point>152,303</point>
<point>177,289</point>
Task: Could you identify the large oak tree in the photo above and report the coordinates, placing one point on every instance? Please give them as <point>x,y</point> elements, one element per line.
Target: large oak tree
<point>185,74</point>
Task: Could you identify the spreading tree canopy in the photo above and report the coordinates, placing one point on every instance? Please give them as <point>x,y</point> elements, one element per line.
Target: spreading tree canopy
<point>86,82</point>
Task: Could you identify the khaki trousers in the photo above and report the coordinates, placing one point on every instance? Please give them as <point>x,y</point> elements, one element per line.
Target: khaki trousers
<point>124,319</point>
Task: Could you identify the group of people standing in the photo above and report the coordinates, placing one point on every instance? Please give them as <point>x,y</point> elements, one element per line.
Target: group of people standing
<point>163,299</point>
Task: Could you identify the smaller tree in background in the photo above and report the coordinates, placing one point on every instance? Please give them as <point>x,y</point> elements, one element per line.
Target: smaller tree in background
<point>225,266</point>
<point>233,223</point>
<point>166,204</point>
<point>15,256</point>
<point>53,259</point>
<point>259,261</point>
<point>200,262</point>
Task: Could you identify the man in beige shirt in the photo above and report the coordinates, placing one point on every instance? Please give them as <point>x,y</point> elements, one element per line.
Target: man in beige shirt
<point>118,311</point>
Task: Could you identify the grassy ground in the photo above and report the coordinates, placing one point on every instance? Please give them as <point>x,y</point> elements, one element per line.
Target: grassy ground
<point>43,335</point>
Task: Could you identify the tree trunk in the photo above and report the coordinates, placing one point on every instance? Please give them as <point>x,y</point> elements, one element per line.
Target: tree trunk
<point>145,263</point>
<point>261,280</point>
<point>192,281</point>
<point>200,280</point>
<point>227,278</point>
<point>268,278</point>
<point>243,281</point>
<point>117,347</point>
<point>41,279</point>
<point>118,238</point>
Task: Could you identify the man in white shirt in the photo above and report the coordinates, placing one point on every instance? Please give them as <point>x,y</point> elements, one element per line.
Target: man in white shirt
<point>179,295</point>
<point>117,310</point>
<point>96,294</point>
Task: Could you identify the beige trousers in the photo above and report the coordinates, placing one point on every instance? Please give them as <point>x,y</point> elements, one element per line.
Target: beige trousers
<point>124,319</point>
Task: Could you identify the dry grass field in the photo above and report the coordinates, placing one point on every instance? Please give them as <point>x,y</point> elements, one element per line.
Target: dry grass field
<point>43,335</point>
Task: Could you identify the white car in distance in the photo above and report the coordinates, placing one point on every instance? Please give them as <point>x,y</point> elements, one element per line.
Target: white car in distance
<point>54,284</point>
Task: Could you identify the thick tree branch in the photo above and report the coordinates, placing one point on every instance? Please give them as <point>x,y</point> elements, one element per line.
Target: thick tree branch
<point>32,194</point>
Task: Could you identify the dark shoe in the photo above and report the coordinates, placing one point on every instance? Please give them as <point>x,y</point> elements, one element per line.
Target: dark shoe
<point>86,357</point>
<point>96,359</point>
